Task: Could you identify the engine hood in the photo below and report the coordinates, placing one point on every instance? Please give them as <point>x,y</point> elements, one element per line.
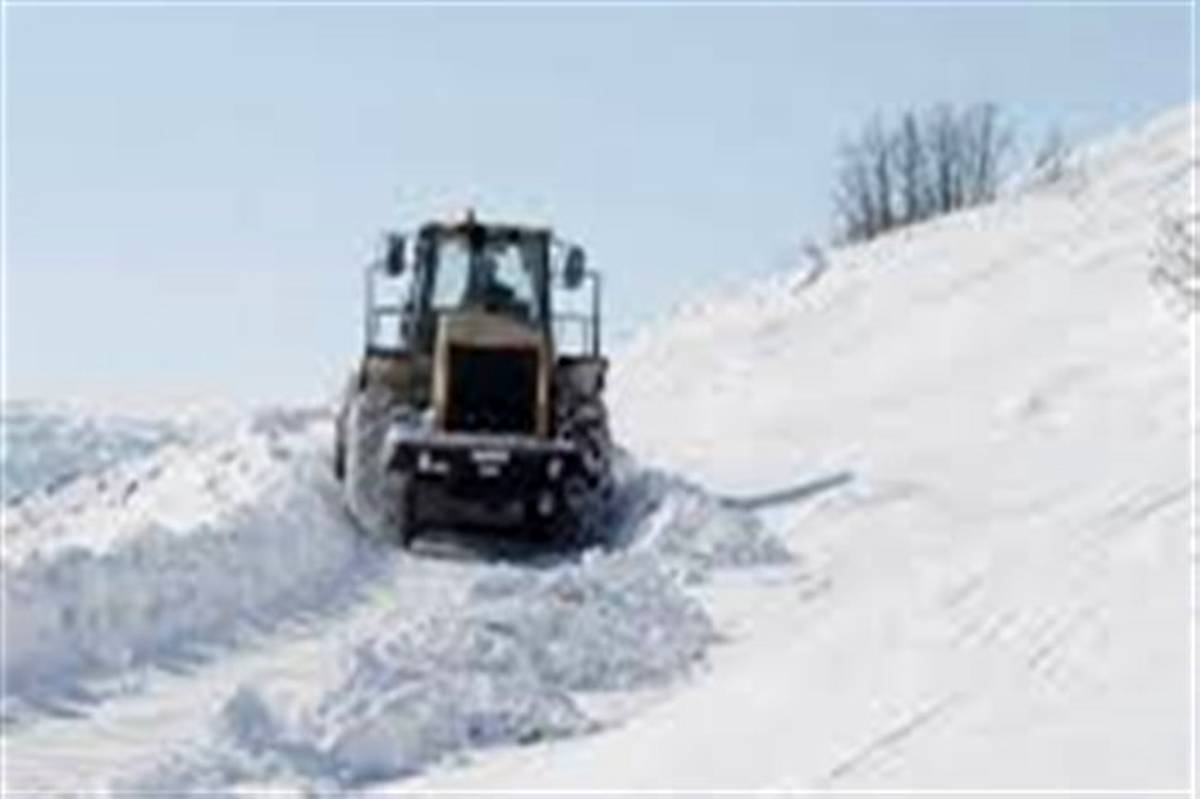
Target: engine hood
<point>491,374</point>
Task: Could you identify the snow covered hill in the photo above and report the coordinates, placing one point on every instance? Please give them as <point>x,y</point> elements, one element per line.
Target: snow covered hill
<point>921,522</point>
<point>1008,562</point>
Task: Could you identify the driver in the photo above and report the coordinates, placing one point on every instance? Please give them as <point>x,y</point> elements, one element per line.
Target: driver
<point>485,286</point>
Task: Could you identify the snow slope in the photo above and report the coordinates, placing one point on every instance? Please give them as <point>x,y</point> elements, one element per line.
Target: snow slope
<point>118,567</point>
<point>1008,565</point>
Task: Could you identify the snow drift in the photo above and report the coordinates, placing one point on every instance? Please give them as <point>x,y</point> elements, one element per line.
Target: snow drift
<point>49,445</point>
<point>195,544</point>
<point>506,665</point>
<point>217,542</point>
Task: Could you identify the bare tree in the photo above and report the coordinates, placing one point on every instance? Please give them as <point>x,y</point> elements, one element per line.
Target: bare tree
<point>853,198</point>
<point>877,149</point>
<point>985,141</point>
<point>944,141</point>
<point>1050,160</point>
<point>928,164</point>
<point>911,171</point>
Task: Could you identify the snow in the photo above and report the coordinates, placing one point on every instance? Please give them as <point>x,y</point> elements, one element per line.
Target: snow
<point>46,446</point>
<point>230,553</point>
<point>187,545</point>
<point>918,522</point>
<point>1003,599</point>
<point>506,665</point>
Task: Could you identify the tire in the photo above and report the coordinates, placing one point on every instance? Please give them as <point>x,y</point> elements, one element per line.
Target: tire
<point>586,426</point>
<point>586,495</point>
<point>339,456</point>
<point>349,393</point>
<point>378,497</point>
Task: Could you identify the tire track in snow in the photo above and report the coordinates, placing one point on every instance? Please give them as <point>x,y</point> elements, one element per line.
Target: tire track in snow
<point>887,742</point>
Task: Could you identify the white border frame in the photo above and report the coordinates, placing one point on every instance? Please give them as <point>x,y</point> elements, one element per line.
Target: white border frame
<point>1194,549</point>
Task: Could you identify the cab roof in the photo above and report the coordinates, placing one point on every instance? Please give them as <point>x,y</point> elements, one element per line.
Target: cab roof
<point>469,225</point>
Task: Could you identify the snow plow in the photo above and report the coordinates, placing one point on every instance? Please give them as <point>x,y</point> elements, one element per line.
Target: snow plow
<point>468,407</point>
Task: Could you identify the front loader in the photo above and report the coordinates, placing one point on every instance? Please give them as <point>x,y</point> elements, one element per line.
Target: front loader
<point>467,408</point>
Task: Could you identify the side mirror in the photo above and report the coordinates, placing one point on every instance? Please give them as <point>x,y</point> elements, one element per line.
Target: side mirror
<point>574,268</point>
<point>394,260</point>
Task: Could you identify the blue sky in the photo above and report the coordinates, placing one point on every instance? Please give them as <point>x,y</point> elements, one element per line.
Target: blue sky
<point>192,191</point>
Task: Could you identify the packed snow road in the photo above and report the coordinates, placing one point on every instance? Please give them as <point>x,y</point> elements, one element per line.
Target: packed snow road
<point>206,616</point>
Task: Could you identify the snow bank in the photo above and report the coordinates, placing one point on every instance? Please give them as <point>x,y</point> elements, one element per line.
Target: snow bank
<point>692,531</point>
<point>504,667</point>
<point>46,445</point>
<point>199,541</point>
<point>191,546</point>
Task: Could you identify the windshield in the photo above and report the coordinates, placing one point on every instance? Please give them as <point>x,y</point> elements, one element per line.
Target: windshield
<point>498,276</point>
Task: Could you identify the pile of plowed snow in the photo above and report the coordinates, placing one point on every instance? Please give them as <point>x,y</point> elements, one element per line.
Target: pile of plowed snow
<point>217,541</point>
<point>186,546</point>
<point>48,445</point>
<point>505,666</point>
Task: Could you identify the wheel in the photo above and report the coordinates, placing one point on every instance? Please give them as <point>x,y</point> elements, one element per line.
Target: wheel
<point>583,421</point>
<point>339,456</point>
<point>339,429</point>
<point>586,425</point>
<point>379,497</point>
<point>404,505</point>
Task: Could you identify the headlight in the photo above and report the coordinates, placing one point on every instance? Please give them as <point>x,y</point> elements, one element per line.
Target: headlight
<point>554,468</point>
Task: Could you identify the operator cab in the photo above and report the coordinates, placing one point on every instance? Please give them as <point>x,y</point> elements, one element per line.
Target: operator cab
<point>466,267</point>
<point>472,268</point>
